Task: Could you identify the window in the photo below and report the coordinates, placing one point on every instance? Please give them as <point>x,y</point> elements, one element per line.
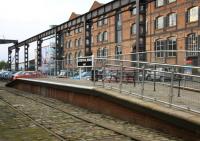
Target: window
<point>133,11</point>
<point>75,55</point>
<point>118,52</point>
<point>159,3</point>
<point>102,21</point>
<point>171,19</point>
<point>118,27</point>
<point>70,58</point>
<point>133,29</point>
<point>159,47</point>
<point>159,24</point>
<point>79,42</point>
<point>98,53</point>
<point>66,59</point>
<point>170,1</point>
<point>105,21</point>
<point>192,45</point>
<point>171,47</point>
<point>192,14</point>
<point>66,44</point>
<point>104,52</point>
<point>76,43</point>
<point>105,36</point>
<point>100,37</point>
<point>79,54</point>
<point>69,44</point>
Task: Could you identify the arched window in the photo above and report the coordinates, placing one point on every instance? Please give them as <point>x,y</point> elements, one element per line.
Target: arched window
<point>159,23</point>
<point>118,52</point>
<point>66,44</point>
<point>79,54</point>
<point>133,10</point>
<point>105,36</point>
<point>133,29</point>
<point>192,14</point>
<point>104,52</point>
<point>171,46</point>
<point>79,42</point>
<point>159,47</point>
<point>99,37</point>
<point>69,44</point>
<point>99,53</point>
<point>66,59</point>
<point>70,58</point>
<point>192,44</point>
<point>76,42</point>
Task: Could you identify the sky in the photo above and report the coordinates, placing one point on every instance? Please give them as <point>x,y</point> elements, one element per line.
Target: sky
<point>21,19</point>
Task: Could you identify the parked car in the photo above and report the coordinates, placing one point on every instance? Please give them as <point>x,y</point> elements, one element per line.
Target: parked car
<point>24,74</point>
<point>161,74</point>
<point>77,77</point>
<point>63,74</point>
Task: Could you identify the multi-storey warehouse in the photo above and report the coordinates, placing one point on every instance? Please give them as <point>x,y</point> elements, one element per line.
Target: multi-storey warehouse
<point>165,31</point>
<point>171,25</point>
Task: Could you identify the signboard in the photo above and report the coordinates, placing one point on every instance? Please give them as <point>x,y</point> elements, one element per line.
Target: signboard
<point>85,61</point>
<point>188,70</point>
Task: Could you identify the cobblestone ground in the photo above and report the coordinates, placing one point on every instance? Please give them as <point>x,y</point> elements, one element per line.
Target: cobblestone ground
<point>188,99</point>
<point>63,120</point>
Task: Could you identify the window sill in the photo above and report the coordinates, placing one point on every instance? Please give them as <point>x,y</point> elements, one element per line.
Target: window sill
<point>193,22</point>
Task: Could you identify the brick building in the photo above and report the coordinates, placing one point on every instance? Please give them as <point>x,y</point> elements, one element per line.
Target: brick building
<point>164,25</point>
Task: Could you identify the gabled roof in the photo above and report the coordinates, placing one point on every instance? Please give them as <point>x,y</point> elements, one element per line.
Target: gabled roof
<point>73,15</point>
<point>95,5</point>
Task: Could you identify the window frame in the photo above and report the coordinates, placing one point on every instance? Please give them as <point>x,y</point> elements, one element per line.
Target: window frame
<point>157,22</point>
<point>157,2</point>
<point>171,46</point>
<point>189,20</point>
<point>169,17</point>
<point>159,47</point>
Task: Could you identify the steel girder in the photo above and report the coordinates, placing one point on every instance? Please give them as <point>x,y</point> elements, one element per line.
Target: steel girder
<point>39,54</point>
<point>9,59</point>
<point>26,61</point>
<point>88,34</point>
<point>5,41</point>
<point>17,59</point>
<point>103,10</point>
<point>59,52</point>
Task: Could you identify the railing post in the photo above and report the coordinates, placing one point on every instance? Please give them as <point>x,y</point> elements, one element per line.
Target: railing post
<point>94,72</point>
<point>103,73</point>
<point>171,87</point>
<point>143,79</point>
<point>121,75</point>
<point>154,79</point>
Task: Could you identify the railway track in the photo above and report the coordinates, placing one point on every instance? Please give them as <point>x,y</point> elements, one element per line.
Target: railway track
<point>69,123</point>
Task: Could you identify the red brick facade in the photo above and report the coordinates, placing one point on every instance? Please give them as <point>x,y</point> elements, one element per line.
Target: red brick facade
<point>178,19</point>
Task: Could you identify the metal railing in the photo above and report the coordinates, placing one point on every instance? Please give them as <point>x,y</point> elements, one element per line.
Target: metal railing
<point>167,81</point>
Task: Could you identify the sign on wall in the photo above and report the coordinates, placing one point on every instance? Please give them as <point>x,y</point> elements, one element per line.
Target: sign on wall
<point>85,61</point>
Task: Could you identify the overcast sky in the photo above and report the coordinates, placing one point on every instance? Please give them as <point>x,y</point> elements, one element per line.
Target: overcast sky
<point>21,19</point>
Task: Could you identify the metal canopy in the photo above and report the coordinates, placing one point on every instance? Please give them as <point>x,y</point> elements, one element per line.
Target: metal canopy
<point>105,9</point>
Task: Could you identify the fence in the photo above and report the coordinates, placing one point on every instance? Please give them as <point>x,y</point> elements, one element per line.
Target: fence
<point>157,79</point>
